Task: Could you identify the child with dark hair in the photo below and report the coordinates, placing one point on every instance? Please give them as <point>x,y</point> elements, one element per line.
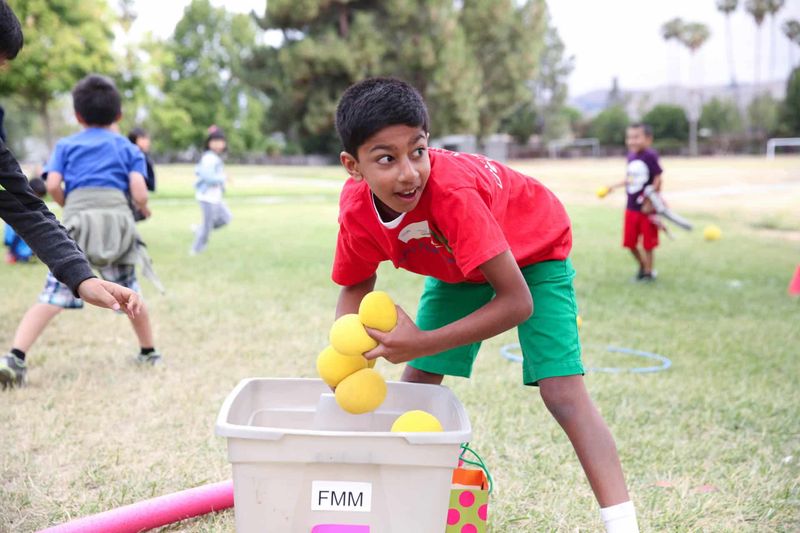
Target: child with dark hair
<point>31,219</point>
<point>494,246</point>
<point>643,170</point>
<point>139,137</point>
<point>209,189</point>
<point>89,174</point>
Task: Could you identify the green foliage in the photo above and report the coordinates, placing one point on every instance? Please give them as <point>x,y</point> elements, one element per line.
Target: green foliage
<point>550,86</point>
<point>202,71</point>
<point>609,126</point>
<point>790,109</point>
<point>522,123</point>
<point>763,114</point>
<point>721,117</point>
<point>693,35</point>
<point>64,41</point>
<point>471,69</point>
<point>668,122</point>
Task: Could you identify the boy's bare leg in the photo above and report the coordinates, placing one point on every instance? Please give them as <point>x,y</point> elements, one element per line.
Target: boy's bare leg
<point>568,401</point>
<point>638,256</point>
<point>648,261</point>
<point>141,326</point>
<point>413,375</point>
<point>32,324</point>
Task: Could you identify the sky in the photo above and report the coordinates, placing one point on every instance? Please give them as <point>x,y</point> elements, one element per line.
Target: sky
<point>608,39</point>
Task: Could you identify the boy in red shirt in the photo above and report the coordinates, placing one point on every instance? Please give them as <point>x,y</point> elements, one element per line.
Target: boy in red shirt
<point>494,245</point>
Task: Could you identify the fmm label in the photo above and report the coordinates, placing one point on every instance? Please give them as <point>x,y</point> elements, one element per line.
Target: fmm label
<point>351,496</point>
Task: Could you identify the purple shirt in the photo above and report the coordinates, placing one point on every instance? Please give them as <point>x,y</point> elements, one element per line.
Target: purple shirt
<point>642,169</point>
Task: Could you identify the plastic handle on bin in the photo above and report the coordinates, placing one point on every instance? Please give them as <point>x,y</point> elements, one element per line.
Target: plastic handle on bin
<point>480,464</point>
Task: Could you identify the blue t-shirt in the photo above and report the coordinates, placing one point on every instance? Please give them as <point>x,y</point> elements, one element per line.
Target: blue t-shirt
<point>96,157</point>
<point>642,169</point>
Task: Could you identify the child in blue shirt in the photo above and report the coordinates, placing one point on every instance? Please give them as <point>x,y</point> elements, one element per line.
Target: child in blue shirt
<point>89,174</point>
<point>18,249</point>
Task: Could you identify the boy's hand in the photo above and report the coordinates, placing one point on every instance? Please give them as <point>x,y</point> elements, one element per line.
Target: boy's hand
<point>110,295</point>
<point>404,343</point>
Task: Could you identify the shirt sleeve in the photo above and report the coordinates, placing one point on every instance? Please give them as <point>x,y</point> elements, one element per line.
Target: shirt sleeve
<point>38,227</point>
<point>356,259</point>
<point>56,162</point>
<point>653,166</point>
<point>137,161</point>
<point>469,229</point>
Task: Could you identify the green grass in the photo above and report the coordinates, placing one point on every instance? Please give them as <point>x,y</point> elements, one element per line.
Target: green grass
<point>93,431</point>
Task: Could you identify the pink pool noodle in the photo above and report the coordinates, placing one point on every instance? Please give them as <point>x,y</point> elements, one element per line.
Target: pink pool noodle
<point>155,512</point>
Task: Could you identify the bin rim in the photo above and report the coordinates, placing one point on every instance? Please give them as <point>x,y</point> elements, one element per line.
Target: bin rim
<point>223,428</point>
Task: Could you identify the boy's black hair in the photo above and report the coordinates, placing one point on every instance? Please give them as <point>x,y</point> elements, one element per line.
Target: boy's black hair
<point>11,40</point>
<point>373,104</point>
<point>647,129</point>
<point>96,99</point>
<point>38,187</point>
<point>136,133</point>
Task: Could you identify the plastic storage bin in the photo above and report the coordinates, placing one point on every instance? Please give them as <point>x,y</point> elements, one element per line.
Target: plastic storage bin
<point>301,464</point>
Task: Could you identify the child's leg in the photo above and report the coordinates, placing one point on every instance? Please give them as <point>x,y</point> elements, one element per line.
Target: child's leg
<point>204,230</point>
<point>568,401</point>
<point>125,275</point>
<point>648,261</point>
<point>222,215</point>
<point>650,242</point>
<point>32,324</point>
<point>630,236</point>
<point>141,326</point>
<point>414,375</point>
<point>639,258</point>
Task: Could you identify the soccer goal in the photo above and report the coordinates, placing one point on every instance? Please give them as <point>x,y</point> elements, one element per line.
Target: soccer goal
<point>554,147</point>
<point>776,142</point>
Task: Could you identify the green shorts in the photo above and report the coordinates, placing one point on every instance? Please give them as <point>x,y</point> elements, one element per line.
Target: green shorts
<point>549,338</point>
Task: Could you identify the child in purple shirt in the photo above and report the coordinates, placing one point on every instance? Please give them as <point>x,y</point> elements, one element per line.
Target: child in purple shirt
<point>643,170</point>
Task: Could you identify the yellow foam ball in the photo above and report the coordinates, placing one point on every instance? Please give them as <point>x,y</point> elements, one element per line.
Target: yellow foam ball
<point>377,311</point>
<point>361,392</point>
<point>579,321</point>
<point>712,233</point>
<point>333,367</point>
<point>602,192</point>
<point>416,422</point>
<point>349,337</point>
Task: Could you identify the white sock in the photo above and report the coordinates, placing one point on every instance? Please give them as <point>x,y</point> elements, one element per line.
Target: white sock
<point>620,518</point>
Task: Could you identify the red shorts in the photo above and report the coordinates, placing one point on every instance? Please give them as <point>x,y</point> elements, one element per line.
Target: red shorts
<point>636,224</point>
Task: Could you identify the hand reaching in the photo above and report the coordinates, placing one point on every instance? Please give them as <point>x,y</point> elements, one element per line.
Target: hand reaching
<point>404,343</point>
<point>110,295</point>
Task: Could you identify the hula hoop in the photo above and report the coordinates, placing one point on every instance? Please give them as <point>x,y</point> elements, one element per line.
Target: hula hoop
<point>506,352</point>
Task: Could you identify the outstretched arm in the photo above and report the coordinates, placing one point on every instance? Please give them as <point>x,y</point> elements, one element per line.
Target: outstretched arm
<point>106,294</point>
<point>350,297</point>
<point>511,306</point>
<point>53,185</point>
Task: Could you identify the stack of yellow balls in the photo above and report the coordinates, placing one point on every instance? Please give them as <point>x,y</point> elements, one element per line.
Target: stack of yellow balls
<point>359,388</point>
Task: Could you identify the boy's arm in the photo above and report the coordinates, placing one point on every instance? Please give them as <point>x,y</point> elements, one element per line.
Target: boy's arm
<point>511,306</point>
<point>350,297</point>
<point>657,183</point>
<point>53,185</point>
<point>138,188</point>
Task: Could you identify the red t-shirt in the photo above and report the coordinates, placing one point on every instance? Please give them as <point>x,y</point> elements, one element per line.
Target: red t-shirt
<point>471,210</point>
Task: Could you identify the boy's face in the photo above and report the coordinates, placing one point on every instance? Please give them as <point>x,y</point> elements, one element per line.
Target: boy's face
<point>395,164</point>
<point>635,139</point>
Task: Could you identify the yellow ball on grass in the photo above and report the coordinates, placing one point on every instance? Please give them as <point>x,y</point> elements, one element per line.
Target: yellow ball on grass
<point>377,311</point>
<point>416,422</point>
<point>333,367</point>
<point>712,233</point>
<point>348,336</point>
<point>361,392</point>
<point>602,192</point>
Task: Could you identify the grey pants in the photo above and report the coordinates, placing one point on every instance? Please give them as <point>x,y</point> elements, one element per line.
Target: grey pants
<point>214,217</point>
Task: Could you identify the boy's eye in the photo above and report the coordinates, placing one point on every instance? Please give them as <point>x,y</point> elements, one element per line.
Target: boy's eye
<point>385,160</point>
<point>419,152</point>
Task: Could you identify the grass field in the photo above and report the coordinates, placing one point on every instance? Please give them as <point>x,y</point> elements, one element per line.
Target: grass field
<point>712,444</point>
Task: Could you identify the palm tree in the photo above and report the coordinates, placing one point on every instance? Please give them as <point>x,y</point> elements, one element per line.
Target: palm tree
<point>758,9</point>
<point>727,7</point>
<point>693,35</point>
<point>671,30</point>
<point>773,6</point>
<point>791,29</point>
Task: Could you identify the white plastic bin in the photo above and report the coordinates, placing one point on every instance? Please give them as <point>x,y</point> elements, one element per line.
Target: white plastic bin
<point>301,464</point>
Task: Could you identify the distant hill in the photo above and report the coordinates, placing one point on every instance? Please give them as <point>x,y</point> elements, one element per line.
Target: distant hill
<point>640,101</point>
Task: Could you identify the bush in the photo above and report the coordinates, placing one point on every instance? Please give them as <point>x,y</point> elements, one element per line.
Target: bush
<point>668,122</point>
<point>609,126</point>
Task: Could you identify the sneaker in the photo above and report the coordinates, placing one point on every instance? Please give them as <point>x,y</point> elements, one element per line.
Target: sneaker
<point>649,277</point>
<point>13,371</point>
<point>152,358</point>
